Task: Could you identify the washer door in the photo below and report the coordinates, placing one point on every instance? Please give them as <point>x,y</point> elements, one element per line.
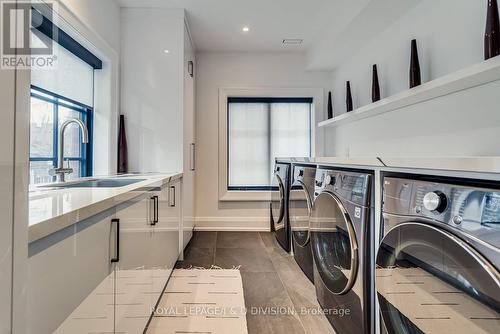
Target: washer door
<point>430,281</point>
<point>278,204</point>
<point>299,206</point>
<point>334,245</point>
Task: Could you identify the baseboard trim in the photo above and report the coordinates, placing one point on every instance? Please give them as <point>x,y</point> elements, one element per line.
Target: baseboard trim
<point>230,229</point>
<point>240,224</point>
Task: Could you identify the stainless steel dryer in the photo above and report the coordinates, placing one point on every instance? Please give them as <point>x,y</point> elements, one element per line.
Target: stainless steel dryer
<point>340,239</point>
<point>438,261</point>
<point>299,205</point>
<point>279,203</point>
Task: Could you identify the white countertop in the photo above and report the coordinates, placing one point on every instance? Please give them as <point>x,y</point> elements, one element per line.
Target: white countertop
<point>337,161</point>
<point>358,161</point>
<point>464,164</point>
<point>487,165</point>
<point>52,209</point>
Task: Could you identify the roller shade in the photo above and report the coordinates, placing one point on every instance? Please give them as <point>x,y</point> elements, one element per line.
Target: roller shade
<point>73,74</point>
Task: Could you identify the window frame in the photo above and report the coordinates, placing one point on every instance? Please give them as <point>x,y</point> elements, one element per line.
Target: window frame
<point>317,134</point>
<point>86,115</point>
<point>268,101</point>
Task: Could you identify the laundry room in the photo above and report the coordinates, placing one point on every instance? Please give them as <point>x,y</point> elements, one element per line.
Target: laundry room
<point>250,167</point>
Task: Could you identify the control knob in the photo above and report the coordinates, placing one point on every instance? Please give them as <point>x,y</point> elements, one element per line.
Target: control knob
<point>329,180</point>
<point>435,201</point>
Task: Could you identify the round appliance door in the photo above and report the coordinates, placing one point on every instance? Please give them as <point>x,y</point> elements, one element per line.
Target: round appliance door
<point>299,205</point>
<point>278,204</point>
<point>333,242</point>
<point>430,281</point>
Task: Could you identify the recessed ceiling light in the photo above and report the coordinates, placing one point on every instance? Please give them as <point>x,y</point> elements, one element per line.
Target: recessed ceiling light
<point>166,51</point>
<point>245,29</point>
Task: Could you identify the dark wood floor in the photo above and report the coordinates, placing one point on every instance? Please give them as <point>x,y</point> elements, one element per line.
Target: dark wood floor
<point>271,280</point>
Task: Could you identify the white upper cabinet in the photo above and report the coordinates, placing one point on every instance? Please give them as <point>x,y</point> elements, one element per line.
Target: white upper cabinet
<point>152,81</point>
<point>189,161</point>
<point>158,98</point>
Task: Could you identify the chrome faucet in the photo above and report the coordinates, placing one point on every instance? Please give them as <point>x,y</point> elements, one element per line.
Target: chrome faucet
<point>60,171</point>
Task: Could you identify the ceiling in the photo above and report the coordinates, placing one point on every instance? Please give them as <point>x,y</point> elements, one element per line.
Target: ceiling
<point>331,30</point>
<point>216,25</point>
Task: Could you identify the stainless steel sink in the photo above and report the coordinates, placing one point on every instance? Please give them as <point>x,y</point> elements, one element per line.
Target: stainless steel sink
<point>96,183</point>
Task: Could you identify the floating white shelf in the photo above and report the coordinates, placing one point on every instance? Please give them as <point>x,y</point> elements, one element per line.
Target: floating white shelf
<point>476,75</point>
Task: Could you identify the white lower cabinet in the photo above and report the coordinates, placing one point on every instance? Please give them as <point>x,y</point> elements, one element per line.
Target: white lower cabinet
<point>149,239</point>
<point>71,279</point>
<point>106,273</point>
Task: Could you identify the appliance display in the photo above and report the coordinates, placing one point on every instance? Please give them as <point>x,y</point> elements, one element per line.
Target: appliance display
<point>279,203</point>
<point>340,238</point>
<point>299,205</point>
<point>437,268</point>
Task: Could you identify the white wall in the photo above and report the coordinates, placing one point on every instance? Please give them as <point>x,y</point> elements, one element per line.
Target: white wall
<point>103,16</point>
<point>96,25</point>
<point>14,180</point>
<point>7,126</point>
<point>236,70</point>
<point>152,87</point>
<point>449,34</point>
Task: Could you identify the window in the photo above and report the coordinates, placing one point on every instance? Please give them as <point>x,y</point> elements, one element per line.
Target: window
<point>261,129</point>
<point>57,94</point>
<point>48,112</point>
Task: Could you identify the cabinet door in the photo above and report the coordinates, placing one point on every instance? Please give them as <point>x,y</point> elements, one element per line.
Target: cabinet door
<point>165,237</point>
<point>149,239</point>
<point>71,279</point>
<point>189,170</point>
<point>134,271</point>
<point>166,231</point>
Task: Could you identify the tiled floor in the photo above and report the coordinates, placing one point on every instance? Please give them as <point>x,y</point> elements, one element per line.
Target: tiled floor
<point>272,281</point>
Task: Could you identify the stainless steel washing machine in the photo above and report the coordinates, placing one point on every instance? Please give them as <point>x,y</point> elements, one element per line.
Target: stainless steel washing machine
<point>279,203</point>
<point>340,238</point>
<point>438,262</point>
<point>299,205</point>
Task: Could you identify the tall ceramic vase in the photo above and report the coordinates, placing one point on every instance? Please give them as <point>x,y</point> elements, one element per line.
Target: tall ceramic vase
<point>122,148</point>
<point>375,85</point>
<point>330,105</point>
<point>492,31</point>
<point>415,79</point>
<point>348,100</point>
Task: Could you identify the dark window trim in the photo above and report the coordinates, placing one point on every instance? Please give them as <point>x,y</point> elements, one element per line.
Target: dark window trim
<point>268,100</point>
<point>252,188</point>
<point>86,112</point>
<point>58,35</point>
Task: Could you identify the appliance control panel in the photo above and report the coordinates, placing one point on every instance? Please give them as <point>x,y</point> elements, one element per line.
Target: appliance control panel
<point>303,172</point>
<point>475,211</point>
<point>351,186</point>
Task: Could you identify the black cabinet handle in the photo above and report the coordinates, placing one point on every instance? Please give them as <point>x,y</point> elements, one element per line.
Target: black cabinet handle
<point>117,251</point>
<point>271,217</point>
<point>172,196</point>
<point>154,214</point>
<point>156,220</point>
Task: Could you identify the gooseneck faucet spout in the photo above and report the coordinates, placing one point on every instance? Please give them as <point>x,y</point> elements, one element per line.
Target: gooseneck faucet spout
<point>60,171</point>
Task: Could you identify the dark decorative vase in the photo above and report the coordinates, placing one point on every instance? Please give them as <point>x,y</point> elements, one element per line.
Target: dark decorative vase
<point>415,79</point>
<point>330,105</point>
<point>122,148</point>
<point>348,100</point>
<point>375,85</point>
<point>492,31</point>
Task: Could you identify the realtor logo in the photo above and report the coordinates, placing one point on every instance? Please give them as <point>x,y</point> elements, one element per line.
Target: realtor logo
<point>25,41</point>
